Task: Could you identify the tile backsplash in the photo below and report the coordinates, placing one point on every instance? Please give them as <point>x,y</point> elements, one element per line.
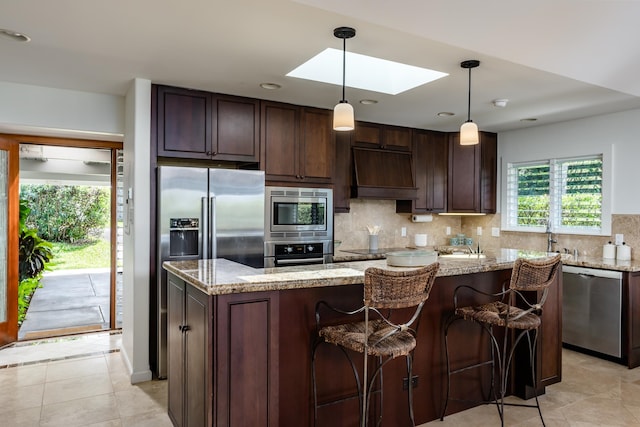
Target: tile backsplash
<point>351,229</point>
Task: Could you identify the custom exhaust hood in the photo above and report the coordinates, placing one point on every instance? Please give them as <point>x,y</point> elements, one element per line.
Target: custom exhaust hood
<point>383,174</point>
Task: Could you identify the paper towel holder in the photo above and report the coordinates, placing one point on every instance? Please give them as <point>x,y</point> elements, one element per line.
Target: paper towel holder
<point>421,218</point>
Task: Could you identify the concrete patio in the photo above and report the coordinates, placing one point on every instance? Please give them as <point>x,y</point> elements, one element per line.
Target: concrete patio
<point>69,302</point>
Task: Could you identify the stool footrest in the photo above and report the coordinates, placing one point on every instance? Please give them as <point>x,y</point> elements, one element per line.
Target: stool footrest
<point>477,365</point>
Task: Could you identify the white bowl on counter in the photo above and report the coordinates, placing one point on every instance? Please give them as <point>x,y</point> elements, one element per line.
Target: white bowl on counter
<point>411,258</point>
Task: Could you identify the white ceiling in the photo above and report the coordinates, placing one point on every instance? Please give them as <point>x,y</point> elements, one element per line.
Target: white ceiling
<point>555,60</point>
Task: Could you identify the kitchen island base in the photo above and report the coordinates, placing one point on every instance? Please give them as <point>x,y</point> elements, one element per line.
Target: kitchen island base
<point>258,346</point>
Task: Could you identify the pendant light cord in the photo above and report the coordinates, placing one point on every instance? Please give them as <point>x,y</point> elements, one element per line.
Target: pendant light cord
<point>469,99</point>
<point>344,65</point>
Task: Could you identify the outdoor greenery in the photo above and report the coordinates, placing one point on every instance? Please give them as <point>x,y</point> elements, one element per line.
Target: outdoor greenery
<point>65,213</point>
<point>68,256</point>
<point>34,256</point>
<point>578,184</point>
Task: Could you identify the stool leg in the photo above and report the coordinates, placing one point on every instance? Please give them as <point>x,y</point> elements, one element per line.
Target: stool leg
<point>313,381</point>
<point>532,350</point>
<point>446,352</point>
<point>410,388</point>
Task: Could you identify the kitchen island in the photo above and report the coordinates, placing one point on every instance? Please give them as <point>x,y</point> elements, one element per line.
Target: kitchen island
<point>240,341</point>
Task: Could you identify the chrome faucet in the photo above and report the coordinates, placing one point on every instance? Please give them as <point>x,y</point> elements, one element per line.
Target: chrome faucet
<point>550,239</point>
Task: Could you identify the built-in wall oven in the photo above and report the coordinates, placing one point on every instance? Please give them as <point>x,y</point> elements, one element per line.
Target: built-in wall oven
<point>298,226</point>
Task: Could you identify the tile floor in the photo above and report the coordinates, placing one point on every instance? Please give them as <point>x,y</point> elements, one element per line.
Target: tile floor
<point>75,381</point>
<point>81,381</point>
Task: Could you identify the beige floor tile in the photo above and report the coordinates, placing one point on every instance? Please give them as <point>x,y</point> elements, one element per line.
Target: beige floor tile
<point>72,368</point>
<point>111,423</point>
<point>76,388</point>
<point>142,398</point>
<point>80,412</point>
<point>22,376</point>
<point>21,397</point>
<point>149,419</point>
<point>29,417</point>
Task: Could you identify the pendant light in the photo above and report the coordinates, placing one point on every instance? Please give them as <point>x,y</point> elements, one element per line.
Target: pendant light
<point>469,130</point>
<point>343,111</point>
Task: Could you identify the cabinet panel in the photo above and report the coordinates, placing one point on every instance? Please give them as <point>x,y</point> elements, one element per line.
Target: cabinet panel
<point>464,174</point>
<point>237,125</point>
<point>247,350</point>
<point>472,174</point>
<point>631,319</point>
<point>196,358</point>
<point>184,123</point>
<point>375,135</point>
<point>342,178</point>
<point>430,152</point>
<point>279,130</point>
<point>317,145</point>
<point>175,349</point>
<point>396,138</point>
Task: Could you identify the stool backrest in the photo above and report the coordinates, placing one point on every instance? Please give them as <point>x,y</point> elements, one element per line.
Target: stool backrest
<point>398,289</point>
<point>534,274</point>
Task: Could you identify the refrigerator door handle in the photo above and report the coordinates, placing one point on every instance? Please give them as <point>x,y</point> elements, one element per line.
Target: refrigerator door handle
<point>212,227</point>
<point>204,239</point>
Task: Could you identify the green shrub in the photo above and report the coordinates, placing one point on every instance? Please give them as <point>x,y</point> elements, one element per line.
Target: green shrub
<point>68,214</point>
<point>34,256</point>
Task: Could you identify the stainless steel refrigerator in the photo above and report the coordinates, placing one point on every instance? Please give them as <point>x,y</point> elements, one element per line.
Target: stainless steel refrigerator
<point>206,213</point>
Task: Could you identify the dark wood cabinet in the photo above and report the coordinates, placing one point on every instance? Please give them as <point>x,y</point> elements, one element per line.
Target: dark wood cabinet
<point>298,144</point>
<point>247,349</point>
<point>194,124</point>
<point>183,123</point>
<point>375,135</point>
<point>631,318</point>
<point>472,175</point>
<point>189,358</point>
<point>430,157</point>
<point>343,176</point>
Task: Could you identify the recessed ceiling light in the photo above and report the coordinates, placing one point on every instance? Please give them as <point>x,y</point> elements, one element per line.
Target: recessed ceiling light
<point>270,86</point>
<point>14,35</point>
<point>529,119</point>
<point>368,101</point>
<point>445,114</point>
<point>365,72</point>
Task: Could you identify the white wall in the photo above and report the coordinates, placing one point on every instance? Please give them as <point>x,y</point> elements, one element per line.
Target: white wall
<point>56,112</point>
<point>585,136</point>
<point>135,321</point>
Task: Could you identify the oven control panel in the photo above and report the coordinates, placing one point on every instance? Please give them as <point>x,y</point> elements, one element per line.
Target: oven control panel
<point>298,250</point>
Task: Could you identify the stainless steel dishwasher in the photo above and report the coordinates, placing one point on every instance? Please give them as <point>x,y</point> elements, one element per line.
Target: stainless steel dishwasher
<point>592,309</point>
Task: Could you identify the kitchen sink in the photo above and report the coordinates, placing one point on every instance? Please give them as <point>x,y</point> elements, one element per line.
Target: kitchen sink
<point>462,256</point>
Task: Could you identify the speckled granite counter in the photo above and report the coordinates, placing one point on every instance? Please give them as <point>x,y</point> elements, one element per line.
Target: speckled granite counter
<point>580,261</point>
<point>220,276</point>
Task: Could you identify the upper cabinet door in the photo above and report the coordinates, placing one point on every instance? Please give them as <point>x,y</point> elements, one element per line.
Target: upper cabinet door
<point>236,129</point>
<point>279,141</point>
<point>193,124</point>
<point>317,145</point>
<point>375,135</point>
<point>183,123</point>
<point>472,174</point>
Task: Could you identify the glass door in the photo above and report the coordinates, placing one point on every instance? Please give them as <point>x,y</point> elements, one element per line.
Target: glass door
<point>8,240</point>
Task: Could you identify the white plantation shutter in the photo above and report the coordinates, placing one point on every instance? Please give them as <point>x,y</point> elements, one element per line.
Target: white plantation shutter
<point>566,192</point>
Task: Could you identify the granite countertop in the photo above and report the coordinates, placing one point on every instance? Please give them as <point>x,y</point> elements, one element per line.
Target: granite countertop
<point>221,276</point>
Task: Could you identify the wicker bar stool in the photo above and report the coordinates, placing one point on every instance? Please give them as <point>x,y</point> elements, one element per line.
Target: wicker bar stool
<point>512,312</point>
<point>384,292</point>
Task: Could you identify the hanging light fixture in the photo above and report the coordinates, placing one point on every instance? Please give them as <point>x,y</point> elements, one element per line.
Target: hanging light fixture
<point>469,130</point>
<point>343,111</point>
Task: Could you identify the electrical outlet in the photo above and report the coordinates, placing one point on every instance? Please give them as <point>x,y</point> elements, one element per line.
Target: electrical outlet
<point>495,232</point>
<point>403,231</point>
<point>448,231</point>
<point>414,382</point>
<point>479,231</point>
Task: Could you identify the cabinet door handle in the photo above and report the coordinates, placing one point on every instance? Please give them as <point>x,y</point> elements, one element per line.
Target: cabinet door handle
<point>184,328</point>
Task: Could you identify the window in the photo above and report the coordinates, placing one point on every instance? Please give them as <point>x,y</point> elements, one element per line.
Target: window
<point>568,193</point>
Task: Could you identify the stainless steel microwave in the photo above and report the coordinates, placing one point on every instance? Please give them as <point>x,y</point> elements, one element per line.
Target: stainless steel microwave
<point>298,212</point>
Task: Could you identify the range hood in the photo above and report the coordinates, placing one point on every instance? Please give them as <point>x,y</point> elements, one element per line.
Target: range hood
<point>383,174</point>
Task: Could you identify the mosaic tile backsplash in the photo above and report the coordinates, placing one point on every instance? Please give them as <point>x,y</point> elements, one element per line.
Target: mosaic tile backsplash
<point>351,229</point>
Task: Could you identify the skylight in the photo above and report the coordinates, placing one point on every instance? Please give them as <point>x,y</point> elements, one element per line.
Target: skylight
<point>364,72</point>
